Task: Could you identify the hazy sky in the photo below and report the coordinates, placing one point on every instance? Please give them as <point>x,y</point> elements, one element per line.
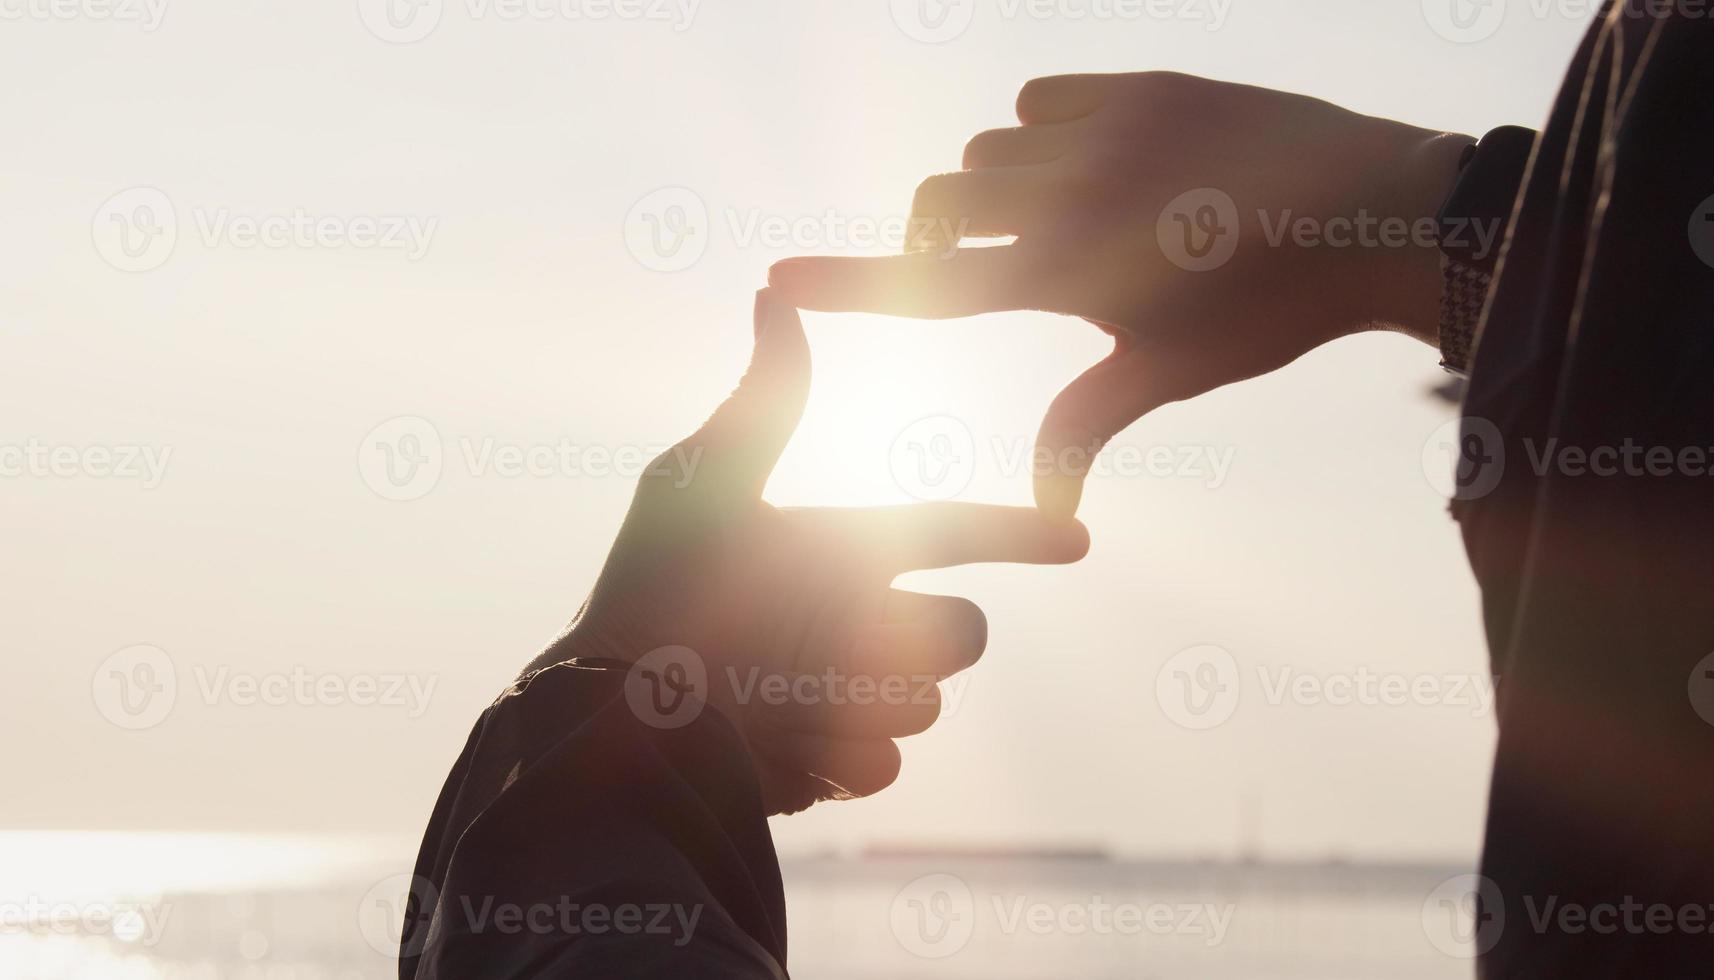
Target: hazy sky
<point>473,259</point>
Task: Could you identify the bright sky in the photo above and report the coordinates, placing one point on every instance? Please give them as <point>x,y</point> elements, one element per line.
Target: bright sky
<point>514,152</point>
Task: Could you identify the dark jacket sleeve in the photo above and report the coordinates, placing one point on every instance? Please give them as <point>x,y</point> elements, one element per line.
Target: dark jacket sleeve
<point>574,840</point>
<point>1591,525</point>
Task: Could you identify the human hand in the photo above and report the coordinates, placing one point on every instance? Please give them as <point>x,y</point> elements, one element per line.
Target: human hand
<point>1125,193</point>
<point>762,596</point>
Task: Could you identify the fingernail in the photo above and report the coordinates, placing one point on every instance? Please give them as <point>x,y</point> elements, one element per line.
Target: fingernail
<point>773,308</point>
<point>764,315</point>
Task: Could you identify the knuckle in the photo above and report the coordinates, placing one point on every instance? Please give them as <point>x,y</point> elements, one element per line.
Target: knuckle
<point>977,149</point>
<point>1161,81</point>
<point>932,193</point>
<point>1161,90</point>
<point>665,474</point>
<point>1084,184</point>
<point>1032,92</point>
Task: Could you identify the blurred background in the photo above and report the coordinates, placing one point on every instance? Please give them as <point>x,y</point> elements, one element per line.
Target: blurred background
<point>332,339</point>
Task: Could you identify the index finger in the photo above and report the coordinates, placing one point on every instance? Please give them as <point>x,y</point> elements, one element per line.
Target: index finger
<point>930,285</point>
<point>1062,98</point>
<point>941,535</point>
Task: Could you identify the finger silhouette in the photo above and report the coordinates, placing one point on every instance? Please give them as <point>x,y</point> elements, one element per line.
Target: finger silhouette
<point>858,705</point>
<point>1062,98</point>
<point>1100,404</point>
<point>1017,146</point>
<point>852,767</point>
<point>929,285</point>
<point>987,203</point>
<point>930,635</point>
<point>896,540</point>
<point>737,448</point>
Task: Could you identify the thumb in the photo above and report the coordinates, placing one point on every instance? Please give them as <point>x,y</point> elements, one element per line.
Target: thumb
<point>1133,381</point>
<point>740,443</point>
<point>1089,412</point>
<point>1109,396</point>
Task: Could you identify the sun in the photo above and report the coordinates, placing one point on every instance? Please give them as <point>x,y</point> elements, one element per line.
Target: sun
<point>902,411</point>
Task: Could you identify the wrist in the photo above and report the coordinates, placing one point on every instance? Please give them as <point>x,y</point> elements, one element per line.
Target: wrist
<point>1430,171</point>
<point>1406,284</point>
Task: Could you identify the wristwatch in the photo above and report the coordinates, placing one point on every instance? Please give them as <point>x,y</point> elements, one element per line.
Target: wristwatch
<point>1472,226</point>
